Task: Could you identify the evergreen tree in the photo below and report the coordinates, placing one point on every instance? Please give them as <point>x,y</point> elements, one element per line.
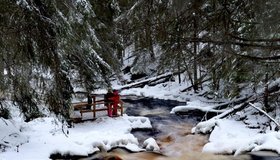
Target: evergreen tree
<point>50,47</point>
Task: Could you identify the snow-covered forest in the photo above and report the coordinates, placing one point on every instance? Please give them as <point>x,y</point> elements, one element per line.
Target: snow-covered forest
<point>221,57</point>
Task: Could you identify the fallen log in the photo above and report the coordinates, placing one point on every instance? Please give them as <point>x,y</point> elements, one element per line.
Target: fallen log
<point>151,81</point>
<point>273,88</point>
<point>207,126</point>
<point>200,82</point>
<point>233,102</point>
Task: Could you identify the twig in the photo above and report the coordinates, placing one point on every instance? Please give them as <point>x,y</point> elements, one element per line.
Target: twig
<point>62,128</point>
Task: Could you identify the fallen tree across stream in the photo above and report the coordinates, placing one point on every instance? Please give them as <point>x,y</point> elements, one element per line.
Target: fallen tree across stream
<point>239,104</point>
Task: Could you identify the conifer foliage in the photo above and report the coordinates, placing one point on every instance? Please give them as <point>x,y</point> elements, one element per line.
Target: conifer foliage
<point>48,47</point>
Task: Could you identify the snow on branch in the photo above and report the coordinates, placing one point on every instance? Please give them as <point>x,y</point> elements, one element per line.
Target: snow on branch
<point>207,126</point>
<point>130,12</point>
<point>147,81</point>
<point>98,58</point>
<point>266,114</point>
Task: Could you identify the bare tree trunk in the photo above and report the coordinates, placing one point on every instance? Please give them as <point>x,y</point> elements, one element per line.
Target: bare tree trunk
<point>266,94</point>
<point>195,78</point>
<point>179,74</point>
<point>179,50</point>
<point>149,37</point>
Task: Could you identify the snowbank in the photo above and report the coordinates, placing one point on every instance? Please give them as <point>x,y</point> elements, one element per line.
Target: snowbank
<point>167,91</point>
<point>230,136</point>
<point>234,137</point>
<point>44,136</point>
<point>10,134</point>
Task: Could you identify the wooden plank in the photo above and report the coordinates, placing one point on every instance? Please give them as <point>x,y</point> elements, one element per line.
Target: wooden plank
<point>79,105</point>
<point>91,110</point>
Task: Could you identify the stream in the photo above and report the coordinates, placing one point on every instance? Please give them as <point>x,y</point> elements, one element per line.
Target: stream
<point>171,131</point>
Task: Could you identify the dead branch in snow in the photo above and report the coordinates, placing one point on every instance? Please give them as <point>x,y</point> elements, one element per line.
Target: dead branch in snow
<point>266,114</point>
<point>233,102</point>
<point>200,82</point>
<point>233,110</point>
<point>207,126</point>
<point>272,89</point>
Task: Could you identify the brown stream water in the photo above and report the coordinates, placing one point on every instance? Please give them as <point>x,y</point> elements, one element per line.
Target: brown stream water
<point>172,133</point>
<point>178,144</point>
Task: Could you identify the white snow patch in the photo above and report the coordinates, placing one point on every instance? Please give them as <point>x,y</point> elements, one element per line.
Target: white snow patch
<point>234,137</point>
<point>45,136</point>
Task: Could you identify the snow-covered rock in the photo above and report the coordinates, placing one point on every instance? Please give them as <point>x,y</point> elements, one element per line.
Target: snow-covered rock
<point>204,127</point>
<point>150,144</point>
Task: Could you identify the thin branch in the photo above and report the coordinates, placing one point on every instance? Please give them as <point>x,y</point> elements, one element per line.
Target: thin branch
<point>255,40</point>
<point>243,44</point>
<point>266,114</point>
<point>257,58</point>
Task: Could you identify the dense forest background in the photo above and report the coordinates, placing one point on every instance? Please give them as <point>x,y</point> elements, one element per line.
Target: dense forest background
<point>48,47</point>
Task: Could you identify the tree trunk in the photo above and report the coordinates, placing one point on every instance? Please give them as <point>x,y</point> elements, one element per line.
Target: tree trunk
<point>266,94</point>
<point>195,78</point>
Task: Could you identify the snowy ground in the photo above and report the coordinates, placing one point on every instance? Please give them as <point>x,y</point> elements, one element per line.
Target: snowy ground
<point>44,136</point>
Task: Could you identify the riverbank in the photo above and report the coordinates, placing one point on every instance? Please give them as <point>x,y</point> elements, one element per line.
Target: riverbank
<point>247,130</point>
<point>42,137</point>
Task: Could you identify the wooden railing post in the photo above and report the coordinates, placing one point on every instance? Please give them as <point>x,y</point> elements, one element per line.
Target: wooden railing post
<point>94,109</point>
<point>94,106</point>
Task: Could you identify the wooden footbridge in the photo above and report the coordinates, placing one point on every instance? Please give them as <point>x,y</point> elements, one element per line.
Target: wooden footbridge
<point>96,106</point>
